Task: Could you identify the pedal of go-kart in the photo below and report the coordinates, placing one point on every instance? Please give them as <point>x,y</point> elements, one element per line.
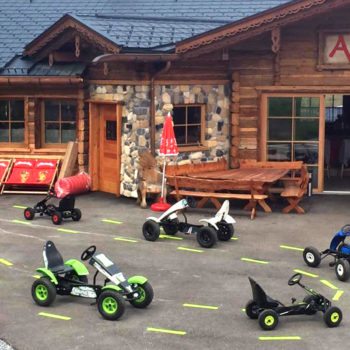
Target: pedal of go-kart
<point>293,300</point>
<point>332,264</point>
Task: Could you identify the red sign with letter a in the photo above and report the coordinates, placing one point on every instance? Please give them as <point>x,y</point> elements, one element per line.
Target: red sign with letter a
<point>337,49</point>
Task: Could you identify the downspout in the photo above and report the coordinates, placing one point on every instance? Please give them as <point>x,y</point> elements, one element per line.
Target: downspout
<point>152,108</point>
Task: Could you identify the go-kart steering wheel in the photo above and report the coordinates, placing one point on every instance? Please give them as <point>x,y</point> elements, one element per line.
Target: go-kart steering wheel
<point>88,253</point>
<point>294,279</point>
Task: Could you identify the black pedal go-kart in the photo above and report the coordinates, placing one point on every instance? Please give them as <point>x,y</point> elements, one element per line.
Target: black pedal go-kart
<point>71,278</point>
<point>339,249</point>
<point>267,310</point>
<point>65,209</point>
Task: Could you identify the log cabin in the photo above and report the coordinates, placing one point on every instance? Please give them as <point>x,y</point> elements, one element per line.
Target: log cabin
<point>255,79</point>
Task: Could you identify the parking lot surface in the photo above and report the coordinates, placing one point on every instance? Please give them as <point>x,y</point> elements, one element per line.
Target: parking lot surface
<point>199,293</point>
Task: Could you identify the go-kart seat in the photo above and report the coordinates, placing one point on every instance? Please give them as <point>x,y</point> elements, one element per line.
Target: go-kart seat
<point>53,259</point>
<point>261,298</point>
<point>67,203</point>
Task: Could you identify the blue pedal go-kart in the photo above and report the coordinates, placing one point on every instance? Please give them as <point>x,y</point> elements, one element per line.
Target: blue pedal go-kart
<point>70,278</point>
<point>338,249</point>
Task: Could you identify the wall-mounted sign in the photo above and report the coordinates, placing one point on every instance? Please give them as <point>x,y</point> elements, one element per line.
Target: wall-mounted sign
<point>334,50</point>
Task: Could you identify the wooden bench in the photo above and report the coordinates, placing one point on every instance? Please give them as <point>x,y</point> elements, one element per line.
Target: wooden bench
<point>214,190</point>
<point>294,191</point>
<point>193,168</point>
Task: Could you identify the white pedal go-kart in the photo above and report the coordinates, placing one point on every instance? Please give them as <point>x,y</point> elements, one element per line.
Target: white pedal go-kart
<point>218,227</point>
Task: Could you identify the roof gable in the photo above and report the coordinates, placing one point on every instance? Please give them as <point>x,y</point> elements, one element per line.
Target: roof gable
<point>255,25</point>
<point>64,24</point>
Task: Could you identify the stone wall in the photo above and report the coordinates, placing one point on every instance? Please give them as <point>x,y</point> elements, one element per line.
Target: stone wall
<point>136,114</point>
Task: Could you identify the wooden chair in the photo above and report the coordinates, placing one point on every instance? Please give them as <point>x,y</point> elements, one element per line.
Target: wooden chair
<point>294,190</point>
<point>149,178</point>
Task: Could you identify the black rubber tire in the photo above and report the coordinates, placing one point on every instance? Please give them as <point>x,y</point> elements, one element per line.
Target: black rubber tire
<point>225,232</point>
<point>332,317</point>
<point>29,213</point>
<point>48,291</point>
<point>171,227</point>
<point>312,256</point>
<point>56,218</point>
<point>206,237</point>
<point>146,295</point>
<point>268,320</point>
<point>252,310</point>
<point>72,275</point>
<point>342,269</point>
<point>151,230</point>
<point>308,299</point>
<point>76,214</point>
<point>116,298</point>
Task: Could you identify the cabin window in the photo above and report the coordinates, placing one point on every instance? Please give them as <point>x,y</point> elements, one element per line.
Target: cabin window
<point>293,130</point>
<point>12,121</point>
<point>59,122</point>
<point>189,123</point>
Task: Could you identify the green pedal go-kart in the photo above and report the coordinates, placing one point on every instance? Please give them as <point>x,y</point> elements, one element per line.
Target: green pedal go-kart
<point>70,278</point>
<point>267,310</point>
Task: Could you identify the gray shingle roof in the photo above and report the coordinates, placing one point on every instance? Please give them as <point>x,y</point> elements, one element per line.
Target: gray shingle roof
<point>143,24</point>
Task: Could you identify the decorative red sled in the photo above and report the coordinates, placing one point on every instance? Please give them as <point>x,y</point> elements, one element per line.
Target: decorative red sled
<point>31,176</point>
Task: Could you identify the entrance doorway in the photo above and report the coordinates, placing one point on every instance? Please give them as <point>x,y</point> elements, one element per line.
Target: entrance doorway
<point>337,143</point>
<point>105,147</point>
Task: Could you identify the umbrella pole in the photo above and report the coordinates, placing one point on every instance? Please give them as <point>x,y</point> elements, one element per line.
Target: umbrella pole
<point>163,180</point>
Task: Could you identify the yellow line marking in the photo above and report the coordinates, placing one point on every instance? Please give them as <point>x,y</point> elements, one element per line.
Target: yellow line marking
<point>197,306</point>
<point>125,239</point>
<point>108,221</point>
<point>5,262</point>
<point>168,331</point>
<point>190,250</point>
<point>329,284</point>
<point>65,318</point>
<point>305,273</point>
<point>255,261</point>
<point>291,248</point>
<point>243,310</point>
<point>67,231</point>
<point>19,207</point>
<point>337,295</point>
<point>234,238</point>
<point>171,237</point>
<point>21,222</point>
<point>36,276</point>
<point>281,338</point>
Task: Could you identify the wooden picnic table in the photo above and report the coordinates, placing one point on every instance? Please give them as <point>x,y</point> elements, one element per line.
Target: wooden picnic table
<point>266,176</point>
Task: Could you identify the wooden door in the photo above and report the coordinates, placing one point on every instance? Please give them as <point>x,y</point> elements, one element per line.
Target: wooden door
<point>105,144</point>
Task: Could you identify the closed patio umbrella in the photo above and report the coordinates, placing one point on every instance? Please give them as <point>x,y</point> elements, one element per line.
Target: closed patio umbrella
<point>168,148</point>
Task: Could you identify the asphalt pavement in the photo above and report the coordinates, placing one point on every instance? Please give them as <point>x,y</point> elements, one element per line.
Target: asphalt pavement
<point>199,293</point>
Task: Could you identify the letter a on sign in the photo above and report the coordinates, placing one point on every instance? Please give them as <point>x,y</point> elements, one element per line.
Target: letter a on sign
<point>340,45</point>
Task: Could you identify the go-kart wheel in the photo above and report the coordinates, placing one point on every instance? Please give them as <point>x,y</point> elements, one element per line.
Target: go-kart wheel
<point>43,291</point>
<point>333,316</point>
<point>312,256</point>
<point>295,279</point>
<point>111,305</point>
<point>171,227</point>
<point>76,214</point>
<point>151,230</point>
<point>252,310</point>
<point>29,213</point>
<point>74,277</point>
<point>88,253</point>
<point>56,218</point>
<point>310,310</point>
<point>268,319</point>
<point>225,232</point>
<point>342,269</point>
<point>145,296</point>
<point>206,236</point>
